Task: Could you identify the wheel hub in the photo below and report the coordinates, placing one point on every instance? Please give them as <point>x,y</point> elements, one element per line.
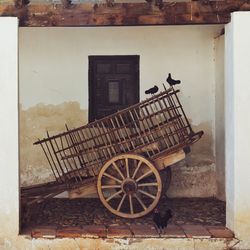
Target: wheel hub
<point>129,186</point>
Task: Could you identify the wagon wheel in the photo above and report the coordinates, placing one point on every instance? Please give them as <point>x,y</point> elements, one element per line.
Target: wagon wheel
<point>123,189</point>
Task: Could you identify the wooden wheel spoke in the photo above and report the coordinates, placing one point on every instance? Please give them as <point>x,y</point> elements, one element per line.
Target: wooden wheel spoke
<point>112,177</point>
<point>126,166</point>
<point>136,170</point>
<point>127,189</point>
<point>140,201</point>
<point>131,204</point>
<point>118,170</point>
<point>113,195</point>
<point>144,175</point>
<point>149,184</point>
<point>121,202</point>
<point>110,186</point>
<point>147,194</point>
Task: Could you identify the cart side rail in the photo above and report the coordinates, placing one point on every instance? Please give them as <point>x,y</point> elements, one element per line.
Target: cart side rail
<point>150,128</point>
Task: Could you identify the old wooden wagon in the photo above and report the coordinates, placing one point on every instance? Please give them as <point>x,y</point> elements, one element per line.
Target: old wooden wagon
<point>124,156</point>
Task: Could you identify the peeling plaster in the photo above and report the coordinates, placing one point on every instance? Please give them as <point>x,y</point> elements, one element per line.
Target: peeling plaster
<point>34,123</point>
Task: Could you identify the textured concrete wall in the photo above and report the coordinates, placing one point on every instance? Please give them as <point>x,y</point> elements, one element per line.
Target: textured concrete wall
<point>54,73</point>
<point>237,125</point>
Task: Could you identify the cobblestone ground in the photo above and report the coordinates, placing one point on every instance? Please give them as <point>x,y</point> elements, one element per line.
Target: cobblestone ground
<point>78,212</point>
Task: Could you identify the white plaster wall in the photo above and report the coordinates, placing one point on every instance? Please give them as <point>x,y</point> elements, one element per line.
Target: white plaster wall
<point>219,115</point>
<point>54,70</point>
<point>229,124</point>
<point>54,62</point>
<point>237,126</point>
<point>9,175</point>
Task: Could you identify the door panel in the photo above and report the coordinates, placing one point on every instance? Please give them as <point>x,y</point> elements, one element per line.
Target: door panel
<point>113,84</point>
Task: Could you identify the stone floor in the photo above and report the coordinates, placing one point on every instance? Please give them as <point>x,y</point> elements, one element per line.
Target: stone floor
<point>192,218</point>
<point>79,212</point>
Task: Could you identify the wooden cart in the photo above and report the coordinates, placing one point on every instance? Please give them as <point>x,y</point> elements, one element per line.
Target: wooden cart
<point>122,155</point>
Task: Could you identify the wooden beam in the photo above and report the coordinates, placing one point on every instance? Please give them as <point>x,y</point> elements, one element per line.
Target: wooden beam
<point>172,13</point>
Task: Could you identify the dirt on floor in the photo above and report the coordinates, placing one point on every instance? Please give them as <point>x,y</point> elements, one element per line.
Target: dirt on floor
<point>79,212</point>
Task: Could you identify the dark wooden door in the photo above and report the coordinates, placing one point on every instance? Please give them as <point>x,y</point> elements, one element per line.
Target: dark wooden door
<point>113,84</point>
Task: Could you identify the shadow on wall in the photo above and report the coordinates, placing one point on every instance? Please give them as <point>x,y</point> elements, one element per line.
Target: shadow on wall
<point>202,152</point>
<point>34,123</point>
<point>195,176</point>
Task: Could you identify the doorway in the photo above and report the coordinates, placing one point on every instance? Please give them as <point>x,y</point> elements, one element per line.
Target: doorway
<point>113,84</point>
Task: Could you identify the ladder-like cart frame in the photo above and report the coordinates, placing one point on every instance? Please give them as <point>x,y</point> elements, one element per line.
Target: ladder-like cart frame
<point>122,154</point>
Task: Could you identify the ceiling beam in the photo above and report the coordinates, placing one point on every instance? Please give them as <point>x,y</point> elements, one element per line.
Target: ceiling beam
<point>171,13</point>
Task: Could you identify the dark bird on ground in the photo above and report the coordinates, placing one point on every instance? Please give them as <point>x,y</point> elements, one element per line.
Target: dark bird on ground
<point>159,4</point>
<point>161,222</point>
<point>171,81</point>
<point>95,7</point>
<point>152,90</point>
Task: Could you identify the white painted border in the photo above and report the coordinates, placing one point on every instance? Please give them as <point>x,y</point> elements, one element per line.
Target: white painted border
<point>237,58</point>
<point>9,153</point>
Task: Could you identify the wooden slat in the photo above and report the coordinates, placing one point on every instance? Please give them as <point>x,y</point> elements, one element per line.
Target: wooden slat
<point>88,14</point>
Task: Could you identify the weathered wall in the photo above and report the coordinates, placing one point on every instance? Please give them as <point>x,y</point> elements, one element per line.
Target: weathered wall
<point>9,176</point>
<point>34,122</point>
<point>54,72</point>
<point>237,125</point>
<point>220,116</point>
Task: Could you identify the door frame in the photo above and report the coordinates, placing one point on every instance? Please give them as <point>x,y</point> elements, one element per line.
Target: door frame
<point>91,60</point>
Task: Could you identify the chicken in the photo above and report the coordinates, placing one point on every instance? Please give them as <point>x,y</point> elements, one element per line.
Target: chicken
<point>159,3</point>
<point>161,222</point>
<point>152,90</point>
<point>171,81</point>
